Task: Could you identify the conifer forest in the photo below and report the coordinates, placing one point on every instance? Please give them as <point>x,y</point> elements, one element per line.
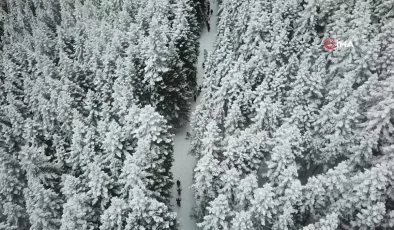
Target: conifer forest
<point>196,114</point>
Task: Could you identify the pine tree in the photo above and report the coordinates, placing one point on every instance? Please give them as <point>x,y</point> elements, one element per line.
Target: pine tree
<point>218,211</point>
<point>154,137</point>
<point>141,192</point>
<point>243,151</point>
<point>165,84</point>
<point>207,170</point>
<point>328,223</point>
<point>136,208</point>
<point>282,174</point>
<point>12,203</point>
<point>43,203</point>
<point>13,213</point>
<point>186,30</point>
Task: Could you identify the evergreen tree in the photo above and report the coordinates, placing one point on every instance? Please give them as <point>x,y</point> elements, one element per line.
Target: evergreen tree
<point>207,170</point>
<point>185,27</point>
<point>154,137</point>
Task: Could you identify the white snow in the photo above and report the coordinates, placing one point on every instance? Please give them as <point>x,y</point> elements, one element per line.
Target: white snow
<point>184,164</point>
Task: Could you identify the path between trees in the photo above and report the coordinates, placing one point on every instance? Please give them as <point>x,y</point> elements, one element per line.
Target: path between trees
<point>184,164</point>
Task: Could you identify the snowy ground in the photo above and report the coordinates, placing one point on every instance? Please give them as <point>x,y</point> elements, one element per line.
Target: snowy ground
<point>184,164</point>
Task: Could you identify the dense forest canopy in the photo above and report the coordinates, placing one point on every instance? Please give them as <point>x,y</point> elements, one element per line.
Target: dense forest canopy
<point>90,94</point>
<point>290,135</point>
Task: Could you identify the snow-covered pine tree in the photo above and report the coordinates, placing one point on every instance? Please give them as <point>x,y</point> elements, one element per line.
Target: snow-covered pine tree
<point>90,193</point>
<point>330,222</point>
<point>13,213</point>
<point>137,207</point>
<point>165,87</point>
<point>282,174</point>
<point>185,34</point>
<point>385,40</point>
<point>145,175</point>
<point>243,198</point>
<point>88,185</point>
<point>304,102</point>
<point>201,11</point>
<point>152,132</point>
<point>255,41</point>
<point>77,211</point>
<point>245,151</point>
<point>43,201</point>
<point>20,45</point>
<point>217,214</point>
<point>207,171</point>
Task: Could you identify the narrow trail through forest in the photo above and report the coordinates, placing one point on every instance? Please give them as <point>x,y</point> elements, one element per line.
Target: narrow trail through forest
<point>184,164</point>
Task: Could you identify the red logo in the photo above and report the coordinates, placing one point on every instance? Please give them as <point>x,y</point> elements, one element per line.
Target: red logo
<point>329,43</point>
